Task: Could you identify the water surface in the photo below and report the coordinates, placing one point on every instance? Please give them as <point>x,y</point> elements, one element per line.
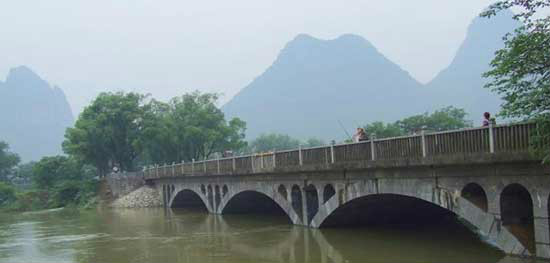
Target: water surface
<point>158,235</point>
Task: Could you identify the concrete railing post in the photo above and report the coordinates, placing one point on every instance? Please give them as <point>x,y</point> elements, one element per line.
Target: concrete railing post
<point>300,155</point>
<point>192,166</point>
<point>372,148</point>
<point>332,153</point>
<point>182,167</point>
<point>252,162</point>
<point>233,165</point>
<point>491,138</point>
<point>204,166</point>
<point>156,170</point>
<point>262,161</point>
<point>218,163</point>
<point>423,143</point>
<point>274,154</point>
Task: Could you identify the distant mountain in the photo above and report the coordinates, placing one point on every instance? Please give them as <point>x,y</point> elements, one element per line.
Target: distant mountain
<point>314,84</point>
<point>461,83</point>
<point>33,115</point>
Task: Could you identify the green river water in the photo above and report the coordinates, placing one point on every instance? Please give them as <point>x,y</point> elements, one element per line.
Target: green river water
<point>159,235</point>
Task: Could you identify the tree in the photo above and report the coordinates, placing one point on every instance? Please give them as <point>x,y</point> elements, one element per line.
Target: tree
<point>382,130</point>
<point>280,142</point>
<point>107,132</point>
<point>189,127</point>
<point>520,71</point>
<point>23,175</point>
<point>51,170</point>
<point>314,142</point>
<point>449,118</point>
<point>8,161</point>
<point>273,141</point>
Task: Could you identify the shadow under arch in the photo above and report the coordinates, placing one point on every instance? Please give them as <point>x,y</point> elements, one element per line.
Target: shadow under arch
<point>387,209</point>
<point>476,195</point>
<point>188,199</point>
<point>516,211</point>
<point>253,202</point>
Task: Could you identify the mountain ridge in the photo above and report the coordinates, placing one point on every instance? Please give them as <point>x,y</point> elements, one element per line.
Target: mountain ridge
<point>307,69</point>
<point>35,114</point>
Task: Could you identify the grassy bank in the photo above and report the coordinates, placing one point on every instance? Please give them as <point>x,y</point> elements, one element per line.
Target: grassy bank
<point>76,194</point>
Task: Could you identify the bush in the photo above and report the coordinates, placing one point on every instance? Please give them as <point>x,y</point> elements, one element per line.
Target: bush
<point>31,200</point>
<point>7,194</point>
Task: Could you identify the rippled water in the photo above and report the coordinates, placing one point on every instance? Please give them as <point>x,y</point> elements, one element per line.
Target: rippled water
<point>158,235</point>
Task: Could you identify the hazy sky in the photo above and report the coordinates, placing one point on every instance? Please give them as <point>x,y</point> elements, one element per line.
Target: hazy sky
<point>168,47</point>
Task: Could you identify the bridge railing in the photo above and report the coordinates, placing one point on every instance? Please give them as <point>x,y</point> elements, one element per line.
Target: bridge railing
<point>497,139</point>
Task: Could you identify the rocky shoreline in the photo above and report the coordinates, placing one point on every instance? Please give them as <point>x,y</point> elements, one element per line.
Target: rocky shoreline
<point>142,197</point>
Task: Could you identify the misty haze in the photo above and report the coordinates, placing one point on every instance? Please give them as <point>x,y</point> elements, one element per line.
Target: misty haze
<point>245,131</point>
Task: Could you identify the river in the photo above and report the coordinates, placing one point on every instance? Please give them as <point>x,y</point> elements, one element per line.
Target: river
<point>159,235</point>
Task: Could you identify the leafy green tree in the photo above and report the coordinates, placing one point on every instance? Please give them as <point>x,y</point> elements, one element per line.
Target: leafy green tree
<point>521,70</point>
<point>107,132</point>
<point>448,118</point>
<point>7,194</point>
<point>8,161</point>
<point>280,142</point>
<point>51,170</point>
<point>189,127</point>
<point>383,130</point>
<point>314,142</point>
<point>273,141</point>
<point>23,175</point>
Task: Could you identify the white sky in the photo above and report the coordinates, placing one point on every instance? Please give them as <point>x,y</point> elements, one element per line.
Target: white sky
<point>168,47</point>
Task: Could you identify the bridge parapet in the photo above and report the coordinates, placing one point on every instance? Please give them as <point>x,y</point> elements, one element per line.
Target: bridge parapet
<point>506,142</point>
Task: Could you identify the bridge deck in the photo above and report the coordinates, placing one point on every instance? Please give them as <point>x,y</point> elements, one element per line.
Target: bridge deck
<point>504,143</point>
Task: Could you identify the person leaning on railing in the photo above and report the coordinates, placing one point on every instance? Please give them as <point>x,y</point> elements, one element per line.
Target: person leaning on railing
<point>360,135</point>
<point>488,120</point>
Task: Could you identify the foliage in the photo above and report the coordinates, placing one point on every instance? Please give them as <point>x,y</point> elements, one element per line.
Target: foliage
<point>380,129</point>
<point>8,161</point>
<point>107,132</point>
<point>23,175</point>
<point>448,118</point>
<point>520,71</point>
<point>50,170</point>
<point>189,127</point>
<point>280,142</point>
<point>30,200</point>
<point>7,194</point>
<point>57,181</point>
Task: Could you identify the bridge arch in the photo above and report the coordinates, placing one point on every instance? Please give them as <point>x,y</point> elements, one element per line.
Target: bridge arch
<point>210,197</point>
<point>296,201</point>
<point>328,192</point>
<point>474,193</point>
<point>250,201</point>
<point>516,211</point>
<point>217,197</point>
<point>188,198</point>
<point>312,201</point>
<point>377,209</point>
<point>248,192</point>
<point>282,191</point>
<point>346,208</point>
<point>225,190</point>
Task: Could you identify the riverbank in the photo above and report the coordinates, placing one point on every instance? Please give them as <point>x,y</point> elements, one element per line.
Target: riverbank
<point>143,197</point>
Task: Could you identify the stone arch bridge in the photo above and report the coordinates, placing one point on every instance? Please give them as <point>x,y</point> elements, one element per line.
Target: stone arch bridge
<point>483,176</point>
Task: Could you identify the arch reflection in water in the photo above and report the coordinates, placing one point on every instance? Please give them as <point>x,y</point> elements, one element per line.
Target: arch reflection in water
<point>180,235</point>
